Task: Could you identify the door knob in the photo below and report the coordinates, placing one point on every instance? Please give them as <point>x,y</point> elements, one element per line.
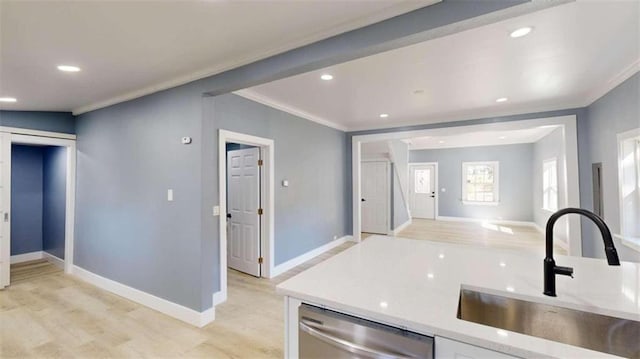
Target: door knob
<point>228,215</point>
<point>363,200</point>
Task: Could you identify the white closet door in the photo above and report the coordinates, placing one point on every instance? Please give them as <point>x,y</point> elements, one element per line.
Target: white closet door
<point>375,197</point>
<point>243,230</point>
<point>5,207</point>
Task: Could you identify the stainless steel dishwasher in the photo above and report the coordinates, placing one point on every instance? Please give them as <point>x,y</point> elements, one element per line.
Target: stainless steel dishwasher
<point>325,334</point>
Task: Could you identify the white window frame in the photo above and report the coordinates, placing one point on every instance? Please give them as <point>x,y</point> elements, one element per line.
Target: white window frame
<point>629,240</point>
<point>496,183</point>
<point>544,193</point>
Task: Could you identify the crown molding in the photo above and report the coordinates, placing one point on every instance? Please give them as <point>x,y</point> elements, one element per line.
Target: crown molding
<point>387,13</point>
<point>253,96</point>
<point>599,91</point>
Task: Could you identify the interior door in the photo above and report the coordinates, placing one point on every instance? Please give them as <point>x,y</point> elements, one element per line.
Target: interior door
<point>5,207</point>
<point>375,197</point>
<point>243,202</point>
<point>422,191</point>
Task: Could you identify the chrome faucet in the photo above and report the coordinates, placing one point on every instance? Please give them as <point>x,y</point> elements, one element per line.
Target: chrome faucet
<point>550,267</point>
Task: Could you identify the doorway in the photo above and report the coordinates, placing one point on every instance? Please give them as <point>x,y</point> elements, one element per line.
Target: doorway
<point>569,162</point>
<point>37,221</point>
<point>376,193</point>
<point>423,185</point>
<point>258,258</point>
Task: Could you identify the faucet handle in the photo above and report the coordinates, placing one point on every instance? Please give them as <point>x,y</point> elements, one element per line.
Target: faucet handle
<point>563,271</point>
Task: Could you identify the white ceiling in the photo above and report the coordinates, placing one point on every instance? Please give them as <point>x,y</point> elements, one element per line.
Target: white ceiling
<point>130,48</point>
<point>464,138</point>
<point>576,53</point>
<point>481,138</point>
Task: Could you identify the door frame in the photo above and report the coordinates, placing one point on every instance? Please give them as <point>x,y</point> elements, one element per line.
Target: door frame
<point>568,123</point>
<point>388,190</point>
<point>267,191</point>
<point>437,189</point>
<point>69,142</point>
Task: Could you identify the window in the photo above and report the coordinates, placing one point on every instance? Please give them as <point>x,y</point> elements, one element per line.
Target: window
<point>550,185</point>
<point>629,187</point>
<point>422,181</point>
<point>480,183</point>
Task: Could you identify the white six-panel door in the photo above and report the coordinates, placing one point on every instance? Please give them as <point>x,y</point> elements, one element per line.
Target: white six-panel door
<point>422,191</point>
<point>243,225</point>
<point>375,197</point>
<point>5,205</point>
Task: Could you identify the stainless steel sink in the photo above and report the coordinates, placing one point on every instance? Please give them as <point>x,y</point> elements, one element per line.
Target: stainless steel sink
<point>583,329</point>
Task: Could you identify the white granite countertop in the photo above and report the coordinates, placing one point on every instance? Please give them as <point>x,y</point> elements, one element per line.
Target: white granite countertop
<point>415,284</point>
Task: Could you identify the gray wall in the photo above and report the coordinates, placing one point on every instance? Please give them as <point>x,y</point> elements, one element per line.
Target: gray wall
<point>399,154</point>
<point>399,213</point>
<point>550,146</point>
<point>26,199</point>
<point>39,120</point>
<point>617,111</point>
<point>128,155</point>
<point>54,200</point>
<point>515,180</point>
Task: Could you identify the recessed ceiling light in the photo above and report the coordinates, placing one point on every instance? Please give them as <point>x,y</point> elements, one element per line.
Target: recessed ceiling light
<point>523,31</point>
<point>326,77</point>
<point>384,115</point>
<point>502,99</point>
<point>8,99</point>
<point>503,137</point>
<point>68,68</point>
<point>441,142</point>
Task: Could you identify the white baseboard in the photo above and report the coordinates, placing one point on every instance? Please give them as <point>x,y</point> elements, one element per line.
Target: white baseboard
<point>219,297</point>
<point>538,228</point>
<point>560,242</point>
<point>188,315</point>
<point>58,262</point>
<point>294,262</point>
<point>402,227</point>
<point>26,257</point>
<point>492,221</point>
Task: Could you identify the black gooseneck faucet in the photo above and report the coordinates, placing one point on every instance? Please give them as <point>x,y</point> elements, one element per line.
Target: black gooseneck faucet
<point>550,267</point>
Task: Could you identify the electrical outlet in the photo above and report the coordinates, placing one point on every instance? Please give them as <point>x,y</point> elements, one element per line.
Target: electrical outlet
<point>216,210</point>
<point>170,195</point>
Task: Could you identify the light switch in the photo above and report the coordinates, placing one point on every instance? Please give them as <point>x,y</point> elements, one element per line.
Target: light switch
<point>285,183</point>
<point>216,210</point>
<point>170,195</point>
<point>444,189</point>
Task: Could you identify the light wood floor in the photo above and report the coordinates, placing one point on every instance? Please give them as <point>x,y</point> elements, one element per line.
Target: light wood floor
<point>469,233</point>
<point>48,314</point>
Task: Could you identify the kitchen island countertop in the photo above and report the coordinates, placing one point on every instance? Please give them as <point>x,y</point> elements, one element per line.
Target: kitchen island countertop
<point>415,284</point>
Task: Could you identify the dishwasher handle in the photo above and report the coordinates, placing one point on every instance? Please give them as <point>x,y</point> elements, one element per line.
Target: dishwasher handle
<point>308,328</point>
